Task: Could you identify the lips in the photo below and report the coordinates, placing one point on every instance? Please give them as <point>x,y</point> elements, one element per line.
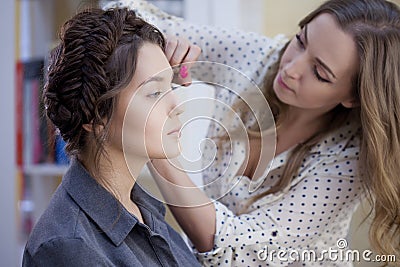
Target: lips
<point>176,131</point>
<point>283,84</point>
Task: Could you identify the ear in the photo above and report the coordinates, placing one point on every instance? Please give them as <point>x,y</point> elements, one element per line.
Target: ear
<point>88,127</point>
<point>351,103</point>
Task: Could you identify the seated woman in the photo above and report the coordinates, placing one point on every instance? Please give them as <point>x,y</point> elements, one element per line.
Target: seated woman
<point>109,76</point>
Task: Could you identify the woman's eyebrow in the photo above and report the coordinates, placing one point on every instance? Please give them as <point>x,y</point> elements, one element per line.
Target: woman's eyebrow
<point>318,59</point>
<point>155,79</point>
<point>152,79</point>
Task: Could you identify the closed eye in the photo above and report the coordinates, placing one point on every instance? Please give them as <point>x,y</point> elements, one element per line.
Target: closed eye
<point>319,76</point>
<point>299,41</point>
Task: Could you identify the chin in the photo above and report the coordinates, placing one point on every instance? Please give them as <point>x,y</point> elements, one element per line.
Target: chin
<point>172,153</point>
<point>277,94</point>
<point>168,152</point>
<point>172,149</point>
<point>164,156</point>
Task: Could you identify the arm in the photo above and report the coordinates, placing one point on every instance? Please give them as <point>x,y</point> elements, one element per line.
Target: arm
<point>191,207</point>
<point>313,214</point>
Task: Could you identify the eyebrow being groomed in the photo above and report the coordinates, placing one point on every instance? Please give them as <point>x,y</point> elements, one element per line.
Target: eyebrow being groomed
<point>155,79</point>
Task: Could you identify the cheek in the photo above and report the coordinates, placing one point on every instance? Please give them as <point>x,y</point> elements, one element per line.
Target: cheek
<point>317,96</point>
<point>289,52</point>
<point>117,128</point>
<point>155,122</point>
<point>157,142</point>
<point>134,123</point>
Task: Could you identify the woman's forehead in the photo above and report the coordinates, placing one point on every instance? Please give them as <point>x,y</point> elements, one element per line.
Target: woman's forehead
<point>331,44</point>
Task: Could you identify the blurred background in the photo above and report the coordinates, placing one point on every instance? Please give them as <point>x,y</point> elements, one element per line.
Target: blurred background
<point>32,160</point>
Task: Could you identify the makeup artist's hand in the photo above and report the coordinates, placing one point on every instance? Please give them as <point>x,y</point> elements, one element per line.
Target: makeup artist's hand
<point>180,54</point>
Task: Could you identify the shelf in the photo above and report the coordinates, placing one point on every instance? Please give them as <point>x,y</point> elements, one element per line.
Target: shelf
<point>45,170</point>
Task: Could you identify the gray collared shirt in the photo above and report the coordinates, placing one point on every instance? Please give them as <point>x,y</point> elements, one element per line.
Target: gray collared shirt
<point>85,225</point>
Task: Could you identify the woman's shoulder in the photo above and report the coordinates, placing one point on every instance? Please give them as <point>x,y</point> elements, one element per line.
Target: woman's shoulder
<point>57,222</point>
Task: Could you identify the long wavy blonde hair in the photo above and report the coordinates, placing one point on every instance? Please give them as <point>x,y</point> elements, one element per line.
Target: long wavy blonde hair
<point>375,27</point>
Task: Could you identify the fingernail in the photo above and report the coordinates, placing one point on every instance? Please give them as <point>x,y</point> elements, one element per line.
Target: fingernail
<point>183,72</point>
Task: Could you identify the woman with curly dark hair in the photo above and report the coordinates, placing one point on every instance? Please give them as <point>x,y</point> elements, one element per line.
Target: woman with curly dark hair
<point>109,75</point>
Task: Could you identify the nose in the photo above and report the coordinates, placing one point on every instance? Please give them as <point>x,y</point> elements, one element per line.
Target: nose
<point>175,108</point>
<point>176,111</point>
<point>294,68</point>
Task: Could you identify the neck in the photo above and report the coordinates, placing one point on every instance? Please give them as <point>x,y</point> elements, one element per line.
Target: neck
<point>305,119</point>
<point>115,175</point>
<point>299,125</point>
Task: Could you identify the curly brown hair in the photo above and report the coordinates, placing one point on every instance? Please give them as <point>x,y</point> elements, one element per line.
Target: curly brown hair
<point>95,60</point>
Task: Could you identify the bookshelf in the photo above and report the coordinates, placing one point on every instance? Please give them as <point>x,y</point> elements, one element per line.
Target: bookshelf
<point>32,175</point>
<point>45,169</point>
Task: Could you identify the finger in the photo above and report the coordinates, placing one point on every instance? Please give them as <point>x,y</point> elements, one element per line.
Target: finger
<point>193,54</point>
<point>190,58</point>
<point>187,81</point>
<point>170,47</point>
<point>180,52</point>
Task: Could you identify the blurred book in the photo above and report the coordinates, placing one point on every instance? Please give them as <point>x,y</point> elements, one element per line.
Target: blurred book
<point>35,136</point>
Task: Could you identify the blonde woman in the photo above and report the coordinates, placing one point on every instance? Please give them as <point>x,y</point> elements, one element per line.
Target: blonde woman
<point>334,91</point>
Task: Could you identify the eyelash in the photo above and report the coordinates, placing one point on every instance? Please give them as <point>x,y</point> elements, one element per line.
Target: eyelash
<point>319,78</point>
<point>159,93</point>
<point>299,41</point>
<point>155,94</point>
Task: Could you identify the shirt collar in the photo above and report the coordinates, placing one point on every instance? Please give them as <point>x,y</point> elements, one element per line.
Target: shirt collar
<point>142,198</point>
<point>102,207</point>
<point>332,144</point>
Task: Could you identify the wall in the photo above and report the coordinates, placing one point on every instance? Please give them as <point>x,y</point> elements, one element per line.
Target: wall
<point>65,9</point>
<point>8,226</point>
<point>283,16</point>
